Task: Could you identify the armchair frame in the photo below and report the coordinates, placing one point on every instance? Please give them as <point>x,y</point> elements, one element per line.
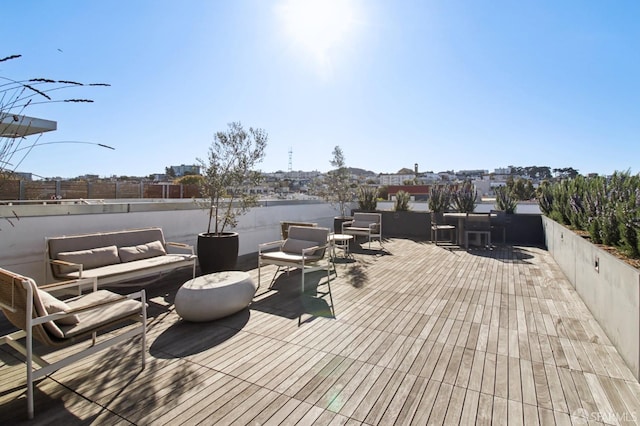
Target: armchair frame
<point>364,224</point>
<point>17,302</point>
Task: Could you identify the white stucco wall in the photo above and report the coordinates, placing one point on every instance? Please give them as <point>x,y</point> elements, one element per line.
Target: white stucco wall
<point>22,246</point>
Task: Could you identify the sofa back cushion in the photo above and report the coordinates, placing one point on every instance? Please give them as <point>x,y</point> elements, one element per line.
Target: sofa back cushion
<point>294,246</point>
<point>91,258</point>
<point>141,251</point>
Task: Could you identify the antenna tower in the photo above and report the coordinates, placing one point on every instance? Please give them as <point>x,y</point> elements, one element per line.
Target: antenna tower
<point>290,155</point>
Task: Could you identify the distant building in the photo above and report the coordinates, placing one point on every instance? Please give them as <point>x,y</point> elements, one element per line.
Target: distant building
<point>471,174</point>
<point>428,177</point>
<point>395,179</point>
<point>183,170</point>
<point>502,171</point>
<point>417,192</point>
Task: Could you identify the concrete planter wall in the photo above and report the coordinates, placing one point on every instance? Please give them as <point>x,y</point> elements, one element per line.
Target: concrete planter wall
<point>525,229</point>
<point>609,287</point>
<point>407,224</point>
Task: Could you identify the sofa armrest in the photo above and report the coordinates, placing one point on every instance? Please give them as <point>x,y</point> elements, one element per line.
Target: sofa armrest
<point>80,283</point>
<point>59,262</point>
<point>181,246</point>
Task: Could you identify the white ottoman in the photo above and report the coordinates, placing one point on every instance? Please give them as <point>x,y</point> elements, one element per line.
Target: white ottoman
<point>215,295</point>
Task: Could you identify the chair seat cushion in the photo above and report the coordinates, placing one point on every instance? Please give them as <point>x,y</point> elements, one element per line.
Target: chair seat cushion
<point>136,265</point>
<point>360,224</point>
<point>101,316</point>
<point>280,256</point>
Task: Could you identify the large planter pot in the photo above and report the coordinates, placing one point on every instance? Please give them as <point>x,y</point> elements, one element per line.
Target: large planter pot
<point>337,223</point>
<point>217,252</point>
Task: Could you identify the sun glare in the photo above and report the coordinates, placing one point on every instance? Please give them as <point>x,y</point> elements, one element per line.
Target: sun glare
<point>318,26</point>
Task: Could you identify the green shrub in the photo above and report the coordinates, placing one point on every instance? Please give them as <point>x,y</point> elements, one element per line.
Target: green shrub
<point>464,199</point>
<point>608,208</point>
<point>504,200</point>
<point>401,203</point>
<point>544,194</point>
<point>367,198</point>
<point>439,198</point>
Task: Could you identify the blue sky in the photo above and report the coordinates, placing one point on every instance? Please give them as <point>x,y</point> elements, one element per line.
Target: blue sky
<point>445,84</point>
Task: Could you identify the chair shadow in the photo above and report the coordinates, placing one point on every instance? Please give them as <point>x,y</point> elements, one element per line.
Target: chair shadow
<point>363,248</point>
<point>284,297</point>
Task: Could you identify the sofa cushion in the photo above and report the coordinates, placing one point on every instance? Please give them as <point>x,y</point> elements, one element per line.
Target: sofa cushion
<point>90,258</point>
<point>141,251</point>
<point>151,264</point>
<point>52,305</point>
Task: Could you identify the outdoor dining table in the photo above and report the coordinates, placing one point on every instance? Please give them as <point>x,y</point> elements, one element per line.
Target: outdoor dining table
<point>460,227</point>
<point>461,224</point>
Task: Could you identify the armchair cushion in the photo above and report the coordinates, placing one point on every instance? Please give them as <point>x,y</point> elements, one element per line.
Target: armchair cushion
<point>141,251</point>
<point>295,246</point>
<point>52,305</point>
<point>40,311</point>
<point>91,258</point>
<point>360,224</point>
<point>100,316</point>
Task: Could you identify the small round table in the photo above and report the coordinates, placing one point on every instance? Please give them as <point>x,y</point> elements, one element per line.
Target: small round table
<point>214,295</point>
<point>342,241</point>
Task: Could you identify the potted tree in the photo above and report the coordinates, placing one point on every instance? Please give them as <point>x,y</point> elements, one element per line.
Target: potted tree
<point>228,173</point>
<point>339,189</point>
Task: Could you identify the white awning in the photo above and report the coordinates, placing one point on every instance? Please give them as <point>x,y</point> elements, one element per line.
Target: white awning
<point>18,126</point>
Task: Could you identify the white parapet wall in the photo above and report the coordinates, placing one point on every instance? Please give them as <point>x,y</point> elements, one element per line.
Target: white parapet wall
<point>609,287</point>
<point>23,228</point>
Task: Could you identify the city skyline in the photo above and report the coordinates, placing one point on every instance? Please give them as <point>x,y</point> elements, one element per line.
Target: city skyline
<point>445,85</point>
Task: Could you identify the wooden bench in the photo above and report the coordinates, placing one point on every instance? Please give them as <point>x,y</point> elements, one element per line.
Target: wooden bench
<point>113,257</point>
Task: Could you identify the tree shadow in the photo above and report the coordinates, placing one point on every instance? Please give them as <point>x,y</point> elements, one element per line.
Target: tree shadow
<point>503,253</point>
<point>184,338</point>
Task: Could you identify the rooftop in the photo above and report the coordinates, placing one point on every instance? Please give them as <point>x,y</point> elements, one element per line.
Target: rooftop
<point>422,334</point>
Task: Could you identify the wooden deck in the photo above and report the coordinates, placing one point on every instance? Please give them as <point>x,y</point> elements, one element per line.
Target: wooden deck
<point>422,335</point>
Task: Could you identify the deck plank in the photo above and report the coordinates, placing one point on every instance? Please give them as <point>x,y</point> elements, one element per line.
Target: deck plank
<point>423,334</point>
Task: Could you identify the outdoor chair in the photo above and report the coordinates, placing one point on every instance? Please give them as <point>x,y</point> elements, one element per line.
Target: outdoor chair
<point>284,227</point>
<point>364,224</point>
<point>478,224</point>
<point>52,322</point>
<point>306,248</point>
<point>438,225</point>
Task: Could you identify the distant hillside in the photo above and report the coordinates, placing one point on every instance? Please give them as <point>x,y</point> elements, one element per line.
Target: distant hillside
<point>361,172</point>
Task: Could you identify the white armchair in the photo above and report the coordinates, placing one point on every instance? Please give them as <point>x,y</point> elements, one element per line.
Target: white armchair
<point>53,322</point>
<point>364,224</point>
